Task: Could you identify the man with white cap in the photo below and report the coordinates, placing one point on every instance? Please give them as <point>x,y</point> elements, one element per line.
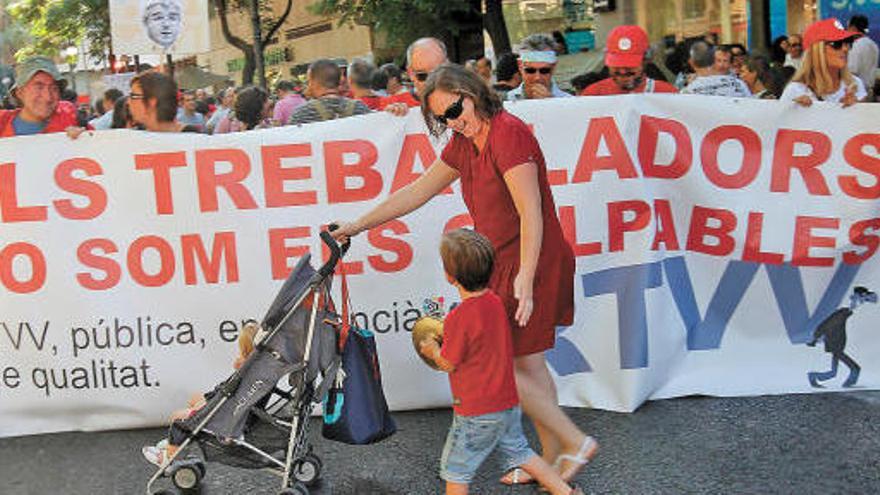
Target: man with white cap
<point>625,58</point>
<point>37,87</point>
<point>537,61</point>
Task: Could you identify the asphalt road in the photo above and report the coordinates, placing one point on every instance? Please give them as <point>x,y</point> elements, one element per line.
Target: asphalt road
<point>796,444</point>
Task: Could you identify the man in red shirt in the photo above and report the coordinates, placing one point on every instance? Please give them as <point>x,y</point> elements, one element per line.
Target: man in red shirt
<point>625,59</point>
<point>38,87</point>
<point>360,78</point>
<point>423,57</point>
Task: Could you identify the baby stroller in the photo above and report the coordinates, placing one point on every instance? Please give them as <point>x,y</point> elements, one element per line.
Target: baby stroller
<point>249,420</point>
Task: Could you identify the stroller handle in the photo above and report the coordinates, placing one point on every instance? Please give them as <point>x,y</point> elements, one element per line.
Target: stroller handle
<point>336,251</point>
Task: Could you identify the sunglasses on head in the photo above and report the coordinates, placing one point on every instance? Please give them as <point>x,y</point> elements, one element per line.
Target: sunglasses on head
<point>421,76</point>
<point>542,70</point>
<point>453,112</point>
<point>837,45</point>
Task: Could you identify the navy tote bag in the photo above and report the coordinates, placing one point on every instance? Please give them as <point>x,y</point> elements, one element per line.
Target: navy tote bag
<point>355,410</point>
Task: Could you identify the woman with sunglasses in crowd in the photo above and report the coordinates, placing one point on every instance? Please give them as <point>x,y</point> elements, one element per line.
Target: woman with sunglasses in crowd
<point>824,75</point>
<point>504,184</point>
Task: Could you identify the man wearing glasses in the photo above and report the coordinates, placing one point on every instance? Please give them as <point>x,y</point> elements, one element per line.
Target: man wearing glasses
<point>625,59</point>
<point>537,60</point>
<point>37,88</point>
<point>795,56</point>
<point>423,57</point>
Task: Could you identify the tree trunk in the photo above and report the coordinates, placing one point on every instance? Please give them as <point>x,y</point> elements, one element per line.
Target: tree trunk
<point>247,75</point>
<point>249,69</point>
<point>759,27</point>
<point>259,65</point>
<point>493,22</point>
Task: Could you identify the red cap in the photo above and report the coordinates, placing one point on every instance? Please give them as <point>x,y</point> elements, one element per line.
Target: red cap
<point>826,30</point>
<point>626,47</point>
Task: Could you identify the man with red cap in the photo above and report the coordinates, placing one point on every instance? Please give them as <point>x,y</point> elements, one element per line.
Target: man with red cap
<point>625,59</point>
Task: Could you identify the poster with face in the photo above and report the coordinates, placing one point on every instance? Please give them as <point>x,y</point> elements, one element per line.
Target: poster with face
<point>142,27</point>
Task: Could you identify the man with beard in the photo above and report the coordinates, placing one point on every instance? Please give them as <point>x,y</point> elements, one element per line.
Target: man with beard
<point>625,59</point>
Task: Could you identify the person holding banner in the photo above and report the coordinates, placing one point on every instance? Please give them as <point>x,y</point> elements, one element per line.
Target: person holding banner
<point>625,59</point>
<point>153,103</point>
<point>537,62</point>
<point>505,187</point>
<point>37,87</point>
<point>824,76</point>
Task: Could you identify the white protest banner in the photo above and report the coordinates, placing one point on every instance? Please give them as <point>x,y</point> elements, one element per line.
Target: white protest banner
<point>713,237</point>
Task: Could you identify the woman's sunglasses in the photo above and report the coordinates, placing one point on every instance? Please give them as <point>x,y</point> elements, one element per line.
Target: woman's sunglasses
<point>453,112</point>
<point>837,45</point>
<point>542,70</point>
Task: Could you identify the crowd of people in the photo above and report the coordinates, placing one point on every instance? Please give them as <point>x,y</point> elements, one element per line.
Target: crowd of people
<point>504,184</point>
<point>826,63</point>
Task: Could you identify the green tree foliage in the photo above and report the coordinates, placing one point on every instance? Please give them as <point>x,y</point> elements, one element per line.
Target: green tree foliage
<point>406,20</point>
<point>55,24</point>
<point>402,20</point>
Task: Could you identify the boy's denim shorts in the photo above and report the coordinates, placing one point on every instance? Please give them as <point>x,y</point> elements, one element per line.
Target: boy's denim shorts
<point>472,438</point>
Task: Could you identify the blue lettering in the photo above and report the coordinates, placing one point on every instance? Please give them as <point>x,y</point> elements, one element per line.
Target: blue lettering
<point>706,333</point>
<point>629,284</point>
<point>789,291</point>
<point>565,358</point>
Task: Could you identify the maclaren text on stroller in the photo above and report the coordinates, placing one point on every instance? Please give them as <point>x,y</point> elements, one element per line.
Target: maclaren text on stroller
<point>248,420</point>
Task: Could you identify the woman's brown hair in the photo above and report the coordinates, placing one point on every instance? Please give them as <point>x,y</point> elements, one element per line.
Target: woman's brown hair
<point>455,79</point>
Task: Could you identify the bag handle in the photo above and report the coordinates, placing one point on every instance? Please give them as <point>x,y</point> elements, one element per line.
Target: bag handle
<point>346,308</point>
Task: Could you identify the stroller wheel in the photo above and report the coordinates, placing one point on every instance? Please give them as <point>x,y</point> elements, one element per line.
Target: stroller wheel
<point>308,469</point>
<point>187,475</point>
<point>200,467</point>
<point>297,489</point>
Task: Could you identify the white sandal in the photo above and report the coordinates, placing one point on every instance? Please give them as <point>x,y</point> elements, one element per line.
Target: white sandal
<point>588,449</point>
<point>517,476</point>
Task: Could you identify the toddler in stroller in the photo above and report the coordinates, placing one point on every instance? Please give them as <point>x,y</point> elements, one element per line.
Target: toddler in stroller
<point>157,454</point>
<point>258,418</point>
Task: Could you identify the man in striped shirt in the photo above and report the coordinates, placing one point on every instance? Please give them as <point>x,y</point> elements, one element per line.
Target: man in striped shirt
<point>325,101</point>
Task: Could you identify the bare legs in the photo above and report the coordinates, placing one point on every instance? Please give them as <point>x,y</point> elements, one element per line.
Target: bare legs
<point>557,433</point>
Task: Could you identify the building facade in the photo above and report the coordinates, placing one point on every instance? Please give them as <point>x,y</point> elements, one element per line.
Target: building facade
<point>303,38</point>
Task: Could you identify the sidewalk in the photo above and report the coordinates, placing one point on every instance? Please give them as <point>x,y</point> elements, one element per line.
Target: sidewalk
<point>803,444</point>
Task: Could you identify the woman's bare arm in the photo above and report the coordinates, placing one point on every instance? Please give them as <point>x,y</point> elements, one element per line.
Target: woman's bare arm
<point>438,177</point>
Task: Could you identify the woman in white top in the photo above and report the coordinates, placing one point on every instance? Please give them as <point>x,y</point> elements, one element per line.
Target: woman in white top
<point>823,75</point>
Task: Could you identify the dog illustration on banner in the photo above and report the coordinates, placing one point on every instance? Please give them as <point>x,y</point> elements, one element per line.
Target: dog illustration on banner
<point>832,331</point>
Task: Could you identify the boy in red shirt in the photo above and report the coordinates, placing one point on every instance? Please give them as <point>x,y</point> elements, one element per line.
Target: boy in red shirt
<point>477,352</point>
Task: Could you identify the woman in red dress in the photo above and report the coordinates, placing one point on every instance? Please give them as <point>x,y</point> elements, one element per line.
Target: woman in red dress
<point>504,184</point>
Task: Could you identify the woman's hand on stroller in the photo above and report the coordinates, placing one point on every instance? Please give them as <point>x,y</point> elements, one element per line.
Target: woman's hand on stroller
<point>344,231</point>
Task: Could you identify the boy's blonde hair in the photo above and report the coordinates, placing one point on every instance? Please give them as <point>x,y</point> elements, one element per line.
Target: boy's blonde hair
<point>246,338</point>
<point>468,257</point>
<point>815,73</point>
